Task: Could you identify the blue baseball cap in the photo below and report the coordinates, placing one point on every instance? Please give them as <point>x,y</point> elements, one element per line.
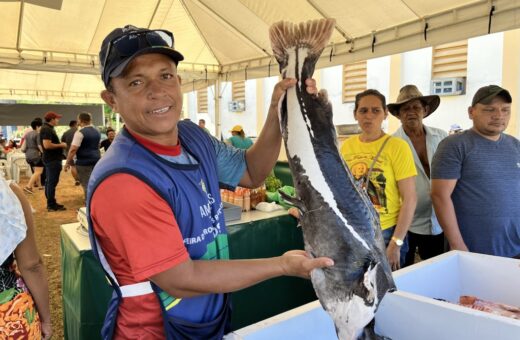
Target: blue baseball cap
<point>124,44</point>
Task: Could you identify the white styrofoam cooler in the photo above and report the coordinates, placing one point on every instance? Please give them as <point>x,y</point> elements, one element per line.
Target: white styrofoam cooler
<point>412,312</point>
<point>82,217</point>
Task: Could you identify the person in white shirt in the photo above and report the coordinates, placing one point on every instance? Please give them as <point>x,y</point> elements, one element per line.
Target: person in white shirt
<point>411,107</point>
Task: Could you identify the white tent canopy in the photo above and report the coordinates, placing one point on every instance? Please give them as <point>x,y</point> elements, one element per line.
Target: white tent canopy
<point>48,48</point>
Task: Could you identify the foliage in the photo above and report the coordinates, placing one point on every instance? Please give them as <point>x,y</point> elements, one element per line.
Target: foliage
<point>272,183</point>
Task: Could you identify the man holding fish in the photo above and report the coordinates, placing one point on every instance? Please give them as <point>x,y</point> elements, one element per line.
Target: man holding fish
<point>155,214</point>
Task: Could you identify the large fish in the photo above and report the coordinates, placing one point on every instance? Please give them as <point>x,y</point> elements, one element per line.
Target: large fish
<point>337,218</point>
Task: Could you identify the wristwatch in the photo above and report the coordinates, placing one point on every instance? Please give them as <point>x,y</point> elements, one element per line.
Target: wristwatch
<point>397,241</point>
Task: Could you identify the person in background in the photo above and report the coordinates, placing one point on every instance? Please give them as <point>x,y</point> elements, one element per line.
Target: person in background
<point>11,145</point>
<point>169,171</point>
<point>33,156</point>
<point>67,138</point>
<point>3,149</point>
<point>455,128</point>
<point>52,157</point>
<point>390,172</point>
<point>24,303</point>
<point>425,233</point>
<point>476,180</point>
<point>202,125</point>
<point>85,148</point>
<point>105,144</point>
<point>239,139</point>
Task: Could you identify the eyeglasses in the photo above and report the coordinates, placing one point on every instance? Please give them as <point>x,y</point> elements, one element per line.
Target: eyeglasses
<point>130,43</point>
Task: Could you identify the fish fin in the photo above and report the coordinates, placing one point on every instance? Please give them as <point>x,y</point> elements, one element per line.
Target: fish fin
<point>298,203</point>
<point>313,34</point>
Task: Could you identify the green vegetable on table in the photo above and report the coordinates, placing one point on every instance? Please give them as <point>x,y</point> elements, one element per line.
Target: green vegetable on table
<point>272,183</point>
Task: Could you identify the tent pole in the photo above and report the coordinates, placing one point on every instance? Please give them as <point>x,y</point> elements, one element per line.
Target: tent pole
<point>218,125</point>
<point>103,115</point>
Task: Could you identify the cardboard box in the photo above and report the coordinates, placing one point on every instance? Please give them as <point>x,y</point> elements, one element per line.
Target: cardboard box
<point>412,312</point>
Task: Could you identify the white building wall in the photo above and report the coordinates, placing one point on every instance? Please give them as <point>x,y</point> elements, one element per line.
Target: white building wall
<point>378,77</point>
<point>191,107</point>
<point>331,80</point>
<point>247,118</point>
<point>416,68</point>
<point>378,74</point>
<point>267,88</point>
<point>209,117</point>
<point>484,68</point>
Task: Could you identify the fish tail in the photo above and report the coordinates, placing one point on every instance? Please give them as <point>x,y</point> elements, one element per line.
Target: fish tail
<point>313,34</point>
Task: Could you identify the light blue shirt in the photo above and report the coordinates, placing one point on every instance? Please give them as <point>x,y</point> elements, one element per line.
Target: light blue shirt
<point>241,143</point>
<point>424,220</point>
<point>231,162</point>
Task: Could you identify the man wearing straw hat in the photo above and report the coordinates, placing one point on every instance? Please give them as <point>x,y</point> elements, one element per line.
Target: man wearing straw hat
<point>411,108</point>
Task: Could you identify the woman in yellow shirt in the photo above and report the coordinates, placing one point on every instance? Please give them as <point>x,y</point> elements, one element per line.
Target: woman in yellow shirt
<point>390,179</point>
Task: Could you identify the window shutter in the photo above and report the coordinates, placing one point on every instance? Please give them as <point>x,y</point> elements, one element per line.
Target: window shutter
<point>354,80</point>
<point>450,60</point>
<point>238,91</point>
<point>202,101</point>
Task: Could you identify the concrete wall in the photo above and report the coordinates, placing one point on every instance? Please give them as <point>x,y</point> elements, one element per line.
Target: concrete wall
<point>484,67</point>
<point>492,59</point>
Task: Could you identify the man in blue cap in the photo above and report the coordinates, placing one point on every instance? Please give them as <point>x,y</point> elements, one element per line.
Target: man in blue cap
<point>476,180</point>
<point>155,214</point>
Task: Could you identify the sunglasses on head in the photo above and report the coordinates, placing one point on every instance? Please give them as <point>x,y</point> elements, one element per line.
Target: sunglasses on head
<point>130,43</point>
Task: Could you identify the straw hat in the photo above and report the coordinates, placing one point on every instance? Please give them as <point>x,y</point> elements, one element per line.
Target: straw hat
<point>411,92</point>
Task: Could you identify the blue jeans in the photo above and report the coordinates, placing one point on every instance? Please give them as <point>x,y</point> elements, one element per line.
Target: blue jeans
<point>387,236</point>
<point>53,170</point>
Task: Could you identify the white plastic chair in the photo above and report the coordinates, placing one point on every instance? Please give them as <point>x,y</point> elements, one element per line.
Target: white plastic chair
<point>19,165</point>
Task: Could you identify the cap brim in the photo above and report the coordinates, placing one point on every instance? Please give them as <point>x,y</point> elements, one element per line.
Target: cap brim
<point>432,101</point>
<point>500,92</point>
<point>54,116</point>
<point>170,52</point>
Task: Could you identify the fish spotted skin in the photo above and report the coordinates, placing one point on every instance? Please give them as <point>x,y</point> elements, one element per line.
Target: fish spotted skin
<point>337,219</point>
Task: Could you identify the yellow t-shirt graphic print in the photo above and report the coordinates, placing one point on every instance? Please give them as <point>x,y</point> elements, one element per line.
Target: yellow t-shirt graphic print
<point>393,164</point>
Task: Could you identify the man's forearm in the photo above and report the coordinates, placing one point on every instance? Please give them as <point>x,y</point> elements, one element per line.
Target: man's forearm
<point>262,156</point>
<point>192,278</point>
<point>225,276</point>
<point>36,280</point>
<point>445,212</point>
<point>404,220</point>
<point>47,144</point>
<point>71,154</point>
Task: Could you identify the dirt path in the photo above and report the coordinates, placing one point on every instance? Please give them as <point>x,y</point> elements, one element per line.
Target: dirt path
<point>48,237</point>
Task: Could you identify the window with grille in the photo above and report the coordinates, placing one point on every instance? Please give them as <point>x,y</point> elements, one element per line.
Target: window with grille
<point>238,90</point>
<point>238,97</point>
<point>450,60</point>
<point>202,101</point>
<point>354,80</point>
